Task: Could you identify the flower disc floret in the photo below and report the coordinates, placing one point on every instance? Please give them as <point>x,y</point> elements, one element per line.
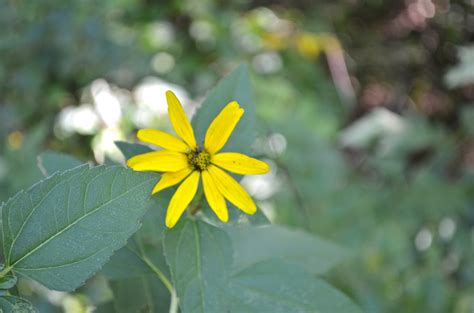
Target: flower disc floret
<point>199,159</point>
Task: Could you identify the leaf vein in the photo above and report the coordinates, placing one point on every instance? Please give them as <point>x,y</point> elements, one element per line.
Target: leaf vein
<point>75,222</point>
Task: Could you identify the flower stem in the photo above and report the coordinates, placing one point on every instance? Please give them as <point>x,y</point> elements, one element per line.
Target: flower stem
<point>159,274</point>
<point>174,302</point>
<point>197,204</point>
<point>5,271</point>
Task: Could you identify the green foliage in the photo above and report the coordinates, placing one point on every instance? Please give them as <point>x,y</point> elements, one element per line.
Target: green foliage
<point>198,255</point>
<point>8,281</point>
<point>130,149</point>
<point>216,272</point>
<point>63,229</point>
<point>20,164</point>
<point>51,162</point>
<point>253,245</point>
<point>407,180</point>
<point>13,304</point>
<point>281,288</point>
<point>234,87</point>
<point>140,294</point>
<point>66,227</point>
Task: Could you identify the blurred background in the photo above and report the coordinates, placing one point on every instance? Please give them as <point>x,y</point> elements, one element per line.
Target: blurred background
<point>365,113</point>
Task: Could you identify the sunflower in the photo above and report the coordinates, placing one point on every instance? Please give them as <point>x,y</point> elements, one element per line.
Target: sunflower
<point>183,161</point>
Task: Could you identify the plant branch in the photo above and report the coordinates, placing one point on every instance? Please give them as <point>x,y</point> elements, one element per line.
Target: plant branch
<point>197,204</point>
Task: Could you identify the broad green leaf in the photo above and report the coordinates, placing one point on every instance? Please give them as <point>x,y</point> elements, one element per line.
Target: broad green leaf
<point>145,246</point>
<point>199,255</point>
<point>234,87</point>
<point>63,229</point>
<point>131,149</point>
<point>278,287</point>
<point>51,162</point>
<point>139,268</point>
<point>140,294</point>
<point>253,245</point>
<point>13,304</point>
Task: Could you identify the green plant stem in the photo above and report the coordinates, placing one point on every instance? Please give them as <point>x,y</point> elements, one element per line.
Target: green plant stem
<point>159,273</point>
<point>5,271</point>
<point>197,204</point>
<point>174,307</point>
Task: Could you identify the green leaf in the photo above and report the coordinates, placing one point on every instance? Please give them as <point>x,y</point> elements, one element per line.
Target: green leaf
<point>278,287</point>
<point>131,149</point>
<point>139,269</point>
<point>145,246</point>
<point>125,263</point>
<point>12,304</point>
<point>141,294</point>
<point>51,162</point>
<point>63,229</point>
<point>234,87</point>
<point>8,281</point>
<point>139,257</point>
<point>198,255</point>
<point>253,245</point>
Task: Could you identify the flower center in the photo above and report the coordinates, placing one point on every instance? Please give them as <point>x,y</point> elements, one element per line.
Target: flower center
<point>199,159</point>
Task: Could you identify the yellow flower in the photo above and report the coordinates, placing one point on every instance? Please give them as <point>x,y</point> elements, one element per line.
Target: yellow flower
<point>184,160</point>
<point>309,45</point>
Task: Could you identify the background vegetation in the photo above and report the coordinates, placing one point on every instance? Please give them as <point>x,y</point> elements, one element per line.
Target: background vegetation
<point>365,113</point>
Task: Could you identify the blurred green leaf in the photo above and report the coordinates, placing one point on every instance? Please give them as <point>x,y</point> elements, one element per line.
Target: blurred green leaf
<point>279,287</point>
<point>12,304</point>
<point>131,149</point>
<point>254,245</point>
<point>234,87</point>
<point>140,294</point>
<point>105,308</point>
<point>8,281</point>
<point>51,162</point>
<point>63,229</point>
<point>125,263</point>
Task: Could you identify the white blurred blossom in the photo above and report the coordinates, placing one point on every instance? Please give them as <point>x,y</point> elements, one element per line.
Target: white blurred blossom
<point>423,239</point>
<point>162,62</point>
<point>103,145</point>
<point>267,62</point>
<point>83,120</point>
<point>106,103</point>
<point>264,186</point>
<point>150,100</point>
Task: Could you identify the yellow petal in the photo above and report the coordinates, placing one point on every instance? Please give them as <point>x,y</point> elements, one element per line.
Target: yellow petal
<point>181,199</point>
<point>222,126</point>
<point>171,178</point>
<point>232,190</point>
<point>179,120</point>
<point>214,197</point>
<point>162,139</point>
<point>239,163</point>
<point>159,161</point>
